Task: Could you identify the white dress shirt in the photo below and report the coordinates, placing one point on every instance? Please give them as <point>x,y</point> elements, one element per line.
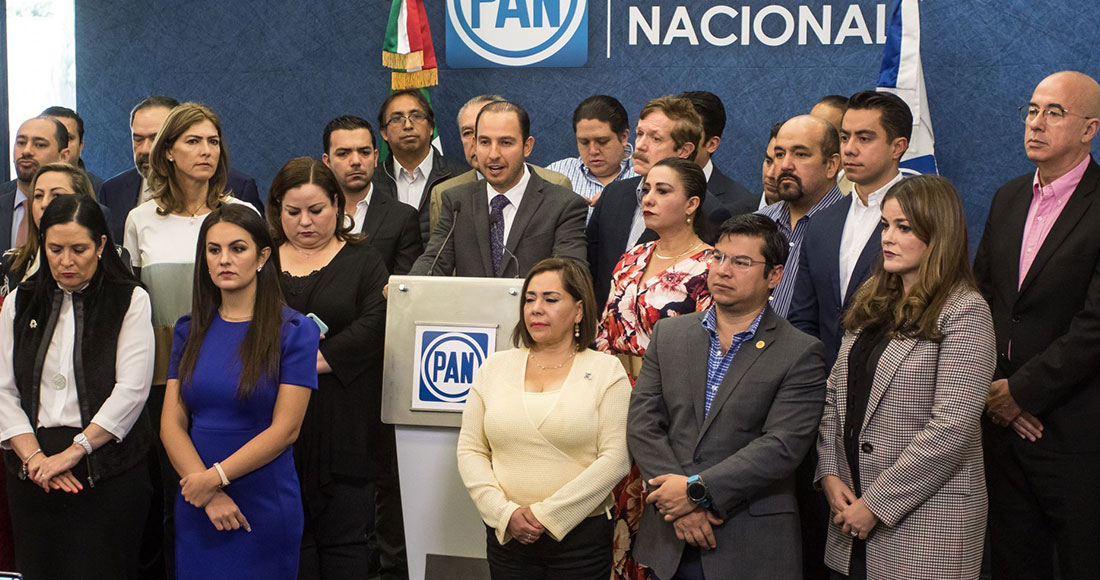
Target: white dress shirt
<point>361,211</point>
<point>708,169</point>
<point>858,227</point>
<point>514,195</point>
<point>58,404</point>
<point>410,186</point>
<point>637,223</point>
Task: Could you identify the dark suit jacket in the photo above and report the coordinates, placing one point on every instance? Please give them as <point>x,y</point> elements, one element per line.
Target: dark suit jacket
<point>816,308</point>
<point>607,232</point>
<point>393,230</point>
<point>7,208</point>
<point>549,222</point>
<point>727,198</point>
<point>443,168</point>
<point>1052,320</point>
<point>762,422</point>
<point>121,192</point>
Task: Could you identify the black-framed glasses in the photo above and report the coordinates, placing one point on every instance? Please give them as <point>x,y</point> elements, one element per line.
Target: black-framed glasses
<point>415,117</point>
<point>716,259</point>
<point>1053,114</point>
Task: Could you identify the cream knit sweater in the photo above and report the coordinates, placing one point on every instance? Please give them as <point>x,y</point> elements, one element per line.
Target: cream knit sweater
<point>565,468</point>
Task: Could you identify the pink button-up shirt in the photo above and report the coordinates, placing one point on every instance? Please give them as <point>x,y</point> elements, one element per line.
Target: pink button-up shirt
<point>1046,205</point>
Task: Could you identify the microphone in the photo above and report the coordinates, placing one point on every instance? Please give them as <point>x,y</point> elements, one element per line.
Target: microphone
<point>447,238</point>
<point>515,259</point>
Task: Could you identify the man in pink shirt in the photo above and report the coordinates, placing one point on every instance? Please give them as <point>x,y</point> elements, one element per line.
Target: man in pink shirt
<point>1038,265</point>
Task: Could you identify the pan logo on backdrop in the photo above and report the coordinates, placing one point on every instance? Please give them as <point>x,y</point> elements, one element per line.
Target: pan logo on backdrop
<point>517,33</point>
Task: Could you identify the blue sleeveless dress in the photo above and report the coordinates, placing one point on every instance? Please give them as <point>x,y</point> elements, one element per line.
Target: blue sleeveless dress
<point>269,497</point>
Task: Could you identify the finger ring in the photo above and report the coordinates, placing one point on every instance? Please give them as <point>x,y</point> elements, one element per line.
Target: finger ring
<point>854,533</point>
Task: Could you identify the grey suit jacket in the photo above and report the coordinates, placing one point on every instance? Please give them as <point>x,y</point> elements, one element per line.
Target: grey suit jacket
<point>557,231</point>
<point>920,461</point>
<point>761,424</point>
<point>436,202</point>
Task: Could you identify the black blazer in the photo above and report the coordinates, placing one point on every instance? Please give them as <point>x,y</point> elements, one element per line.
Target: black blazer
<point>393,229</point>
<point>816,308</point>
<point>120,194</point>
<point>1052,320</point>
<point>726,198</point>
<point>443,168</point>
<point>548,222</point>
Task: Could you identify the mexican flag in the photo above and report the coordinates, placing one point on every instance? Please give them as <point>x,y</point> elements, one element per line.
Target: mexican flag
<point>408,51</point>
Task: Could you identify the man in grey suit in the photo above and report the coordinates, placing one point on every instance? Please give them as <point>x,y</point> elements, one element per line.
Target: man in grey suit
<point>503,225</point>
<point>726,406</point>
<point>39,140</point>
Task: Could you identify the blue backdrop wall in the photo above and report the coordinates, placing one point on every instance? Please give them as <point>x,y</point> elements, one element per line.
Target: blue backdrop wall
<point>277,71</point>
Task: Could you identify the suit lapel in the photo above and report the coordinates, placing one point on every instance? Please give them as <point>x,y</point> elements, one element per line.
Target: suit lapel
<point>832,240</point>
<point>892,357</point>
<point>532,199</point>
<point>1072,213</point>
<point>742,362</point>
<point>479,214</point>
<point>695,376</point>
<point>867,258</point>
<point>376,213</point>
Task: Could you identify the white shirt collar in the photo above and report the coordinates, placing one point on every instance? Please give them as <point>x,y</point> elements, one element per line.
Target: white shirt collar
<point>515,194</point>
<point>708,169</point>
<point>874,199</point>
<point>424,168</point>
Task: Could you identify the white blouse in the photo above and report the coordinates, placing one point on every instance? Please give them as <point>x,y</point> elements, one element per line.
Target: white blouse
<point>58,404</point>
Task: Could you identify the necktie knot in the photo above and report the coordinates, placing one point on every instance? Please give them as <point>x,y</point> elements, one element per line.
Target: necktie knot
<point>499,202</point>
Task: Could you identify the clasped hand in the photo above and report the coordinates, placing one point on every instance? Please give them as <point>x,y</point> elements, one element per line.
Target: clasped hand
<point>524,526</point>
<point>1004,411</point>
<point>55,471</point>
<point>199,488</point>
<point>670,496</point>
<point>850,512</point>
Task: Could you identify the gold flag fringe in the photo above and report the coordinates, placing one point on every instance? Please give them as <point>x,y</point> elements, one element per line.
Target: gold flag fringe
<point>403,61</point>
<point>414,80</point>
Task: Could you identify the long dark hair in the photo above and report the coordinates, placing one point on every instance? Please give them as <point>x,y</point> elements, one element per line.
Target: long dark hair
<point>259,352</point>
<point>296,173</point>
<point>84,211</point>
<point>694,183</point>
<point>577,281</point>
<point>935,213</point>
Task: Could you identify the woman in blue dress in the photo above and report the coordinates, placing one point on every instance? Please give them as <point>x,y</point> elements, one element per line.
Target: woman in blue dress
<point>242,369</point>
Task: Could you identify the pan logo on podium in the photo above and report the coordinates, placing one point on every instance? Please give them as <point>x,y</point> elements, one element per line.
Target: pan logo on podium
<point>517,33</point>
<point>446,359</point>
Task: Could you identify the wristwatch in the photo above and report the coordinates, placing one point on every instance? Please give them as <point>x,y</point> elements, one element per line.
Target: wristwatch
<point>697,492</point>
<point>82,440</point>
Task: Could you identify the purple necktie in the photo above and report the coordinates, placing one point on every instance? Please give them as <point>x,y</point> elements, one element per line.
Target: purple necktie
<point>496,229</point>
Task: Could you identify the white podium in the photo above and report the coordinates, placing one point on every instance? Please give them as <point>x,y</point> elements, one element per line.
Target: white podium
<point>438,331</point>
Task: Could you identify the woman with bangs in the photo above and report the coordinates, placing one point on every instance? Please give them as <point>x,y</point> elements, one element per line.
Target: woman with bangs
<point>900,440</point>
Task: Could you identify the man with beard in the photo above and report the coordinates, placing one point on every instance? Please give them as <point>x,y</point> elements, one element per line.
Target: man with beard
<point>39,141</point>
<point>391,228</point>
<point>769,171</point>
<point>130,189</point>
<point>807,154</point>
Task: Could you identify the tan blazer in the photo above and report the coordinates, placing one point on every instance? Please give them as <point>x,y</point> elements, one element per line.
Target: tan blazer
<point>470,176</point>
<point>921,449</point>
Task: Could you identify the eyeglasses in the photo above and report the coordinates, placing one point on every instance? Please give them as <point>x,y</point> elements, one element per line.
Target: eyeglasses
<point>716,259</point>
<point>414,117</point>
<point>1053,114</point>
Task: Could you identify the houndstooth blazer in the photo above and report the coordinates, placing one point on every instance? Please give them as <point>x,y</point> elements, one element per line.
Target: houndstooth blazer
<point>920,449</point>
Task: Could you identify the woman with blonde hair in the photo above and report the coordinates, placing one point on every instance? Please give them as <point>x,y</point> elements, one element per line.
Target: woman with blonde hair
<point>900,440</point>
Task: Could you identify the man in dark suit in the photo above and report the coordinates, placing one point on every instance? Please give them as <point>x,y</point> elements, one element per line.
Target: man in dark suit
<point>407,122</point>
<point>727,403</point>
<point>38,141</point>
<point>838,251</point>
<point>390,227</point>
<point>667,127</point>
<point>74,125</point>
<point>1038,265</point>
<point>842,242</point>
<point>129,189</point>
<point>503,225</point>
<point>725,197</point>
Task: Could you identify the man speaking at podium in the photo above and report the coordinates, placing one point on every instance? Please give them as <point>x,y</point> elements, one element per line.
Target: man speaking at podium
<point>503,225</point>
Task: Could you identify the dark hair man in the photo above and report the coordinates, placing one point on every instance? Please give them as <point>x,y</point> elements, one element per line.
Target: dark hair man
<point>74,125</point>
<point>393,229</point>
<point>727,405</point>
<point>840,247</point>
<point>1038,265</point>
<point>407,123</point>
<point>39,140</point>
<point>130,188</point>
<point>725,197</point>
<point>807,154</point>
<point>769,172</point>
<point>667,127</point>
<point>602,130</point>
<point>525,218</point>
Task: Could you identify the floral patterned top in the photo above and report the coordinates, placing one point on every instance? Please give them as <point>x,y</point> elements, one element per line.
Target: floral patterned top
<point>636,304</point>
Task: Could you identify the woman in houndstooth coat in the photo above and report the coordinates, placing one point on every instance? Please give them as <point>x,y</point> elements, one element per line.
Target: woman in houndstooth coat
<point>900,440</point>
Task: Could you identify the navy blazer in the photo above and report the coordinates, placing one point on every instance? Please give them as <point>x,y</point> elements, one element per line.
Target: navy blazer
<point>120,194</point>
<point>607,232</point>
<point>726,198</point>
<point>816,308</point>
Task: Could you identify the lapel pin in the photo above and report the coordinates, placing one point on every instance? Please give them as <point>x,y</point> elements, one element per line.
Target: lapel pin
<point>34,323</point>
<point>759,344</point>
<point>588,376</point>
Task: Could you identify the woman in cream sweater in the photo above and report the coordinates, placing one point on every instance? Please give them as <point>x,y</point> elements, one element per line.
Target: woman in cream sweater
<point>543,438</point>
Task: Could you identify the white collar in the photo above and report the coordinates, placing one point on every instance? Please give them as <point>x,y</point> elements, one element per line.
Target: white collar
<point>874,199</point>
<point>708,169</point>
<point>515,194</point>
